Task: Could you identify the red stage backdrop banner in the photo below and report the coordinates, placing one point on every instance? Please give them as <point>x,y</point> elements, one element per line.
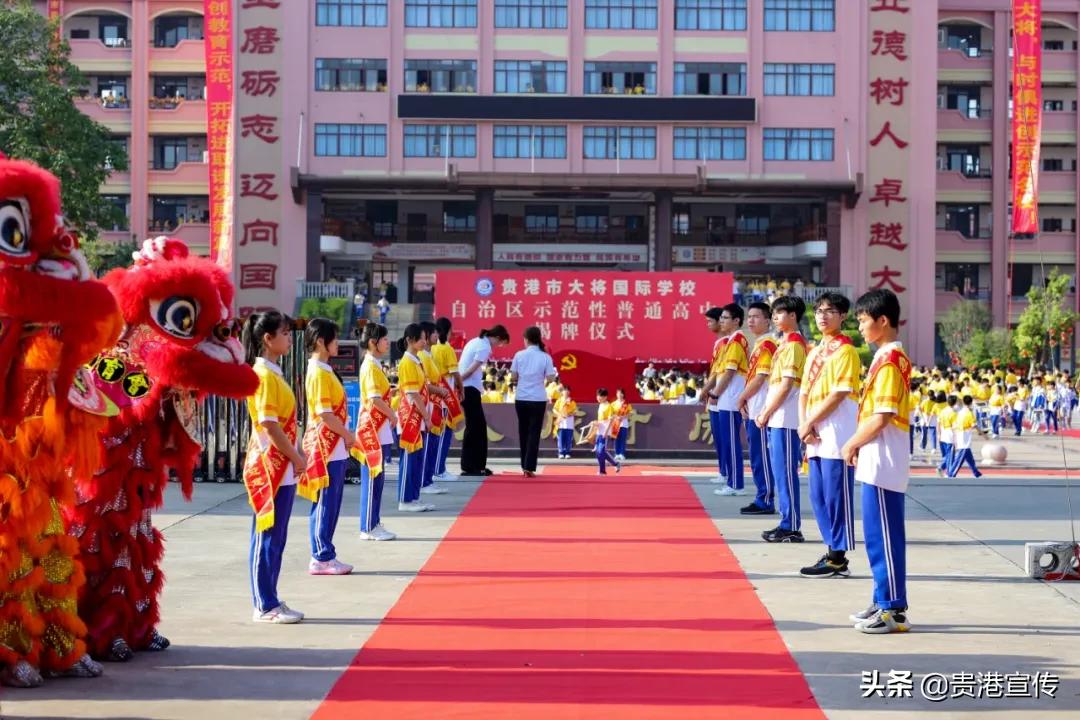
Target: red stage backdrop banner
<point>584,372</point>
<point>1027,114</point>
<point>219,127</point>
<point>648,315</point>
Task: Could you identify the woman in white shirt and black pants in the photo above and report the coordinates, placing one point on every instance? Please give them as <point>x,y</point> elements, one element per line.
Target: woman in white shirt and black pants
<point>530,371</point>
<point>474,445</point>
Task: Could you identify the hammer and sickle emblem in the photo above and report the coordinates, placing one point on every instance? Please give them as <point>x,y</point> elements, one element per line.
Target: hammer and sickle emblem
<point>110,369</point>
<point>569,362</point>
<point>136,385</point>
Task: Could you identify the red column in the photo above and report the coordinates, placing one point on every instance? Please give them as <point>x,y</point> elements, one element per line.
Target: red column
<point>140,148</point>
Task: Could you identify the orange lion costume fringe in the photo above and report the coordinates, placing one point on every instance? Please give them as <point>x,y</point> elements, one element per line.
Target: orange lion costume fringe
<point>177,348</point>
<point>54,317</point>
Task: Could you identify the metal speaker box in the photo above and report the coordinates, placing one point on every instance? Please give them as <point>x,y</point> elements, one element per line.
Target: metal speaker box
<point>1052,560</point>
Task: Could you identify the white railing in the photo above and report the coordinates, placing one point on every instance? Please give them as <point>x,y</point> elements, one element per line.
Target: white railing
<point>810,295</point>
<point>306,289</point>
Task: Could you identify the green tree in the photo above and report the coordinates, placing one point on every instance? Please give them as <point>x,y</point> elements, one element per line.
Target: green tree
<point>986,346</point>
<point>102,255</point>
<point>40,122</point>
<point>1046,321</point>
<point>963,321</point>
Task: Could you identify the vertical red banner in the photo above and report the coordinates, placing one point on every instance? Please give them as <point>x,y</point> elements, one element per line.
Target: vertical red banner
<point>56,10</point>
<point>1027,114</point>
<point>219,126</point>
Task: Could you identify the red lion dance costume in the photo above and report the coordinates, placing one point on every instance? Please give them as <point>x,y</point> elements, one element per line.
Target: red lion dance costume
<point>177,347</point>
<point>53,318</point>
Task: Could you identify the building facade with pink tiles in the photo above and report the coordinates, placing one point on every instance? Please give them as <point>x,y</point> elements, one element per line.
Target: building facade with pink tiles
<point>625,134</point>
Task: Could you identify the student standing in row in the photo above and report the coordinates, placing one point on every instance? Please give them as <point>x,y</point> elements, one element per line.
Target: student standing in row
<point>374,434</point>
<point>781,417</point>
<point>751,402</point>
<point>451,381</point>
<point>880,452</point>
<point>828,416</point>
<point>272,464</point>
<point>326,442</point>
<point>474,446</point>
<point>435,394</point>
<point>413,420</point>
<point>717,322</point>
<point>729,386</point>
<point>563,418</point>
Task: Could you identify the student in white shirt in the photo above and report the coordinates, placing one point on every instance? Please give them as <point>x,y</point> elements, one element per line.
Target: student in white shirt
<point>474,447</point>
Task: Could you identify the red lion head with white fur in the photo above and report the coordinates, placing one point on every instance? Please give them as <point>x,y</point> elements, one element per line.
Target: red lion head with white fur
<point>54,316</point>
<point>178,312</point>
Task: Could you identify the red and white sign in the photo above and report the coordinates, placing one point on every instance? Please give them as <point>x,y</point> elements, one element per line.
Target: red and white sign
<point>525,253</point>
<point>333,244</point>
<point>649,315</point>
<point>710,254</point>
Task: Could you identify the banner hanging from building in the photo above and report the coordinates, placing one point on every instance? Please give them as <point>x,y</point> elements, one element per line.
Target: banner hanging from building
<point>1027,114</point>
<point>219,126</point>
<point>649,315</point>
<point>889,116</point>
<point>56,10</point>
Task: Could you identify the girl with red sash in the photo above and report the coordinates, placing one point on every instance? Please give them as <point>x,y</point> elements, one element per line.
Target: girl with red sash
<point>374,434</point>
<point>413,419</point>
<point>436,408</point>
<point>272,464</point>
<point>325,444</point>
<point>447,361</point>
<point>623,410</point>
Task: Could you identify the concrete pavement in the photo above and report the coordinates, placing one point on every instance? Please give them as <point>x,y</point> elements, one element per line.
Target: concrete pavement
<point>973,610</point>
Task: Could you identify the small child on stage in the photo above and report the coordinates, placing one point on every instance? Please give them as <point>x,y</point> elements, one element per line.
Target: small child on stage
<point>880,452</point>
<point>599,431</point>
<point>563,419</point>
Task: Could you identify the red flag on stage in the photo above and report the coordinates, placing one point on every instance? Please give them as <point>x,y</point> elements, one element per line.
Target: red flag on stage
<point>585,372</point>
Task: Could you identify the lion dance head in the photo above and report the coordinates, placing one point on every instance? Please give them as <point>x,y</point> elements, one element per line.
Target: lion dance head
<point>53,315</point>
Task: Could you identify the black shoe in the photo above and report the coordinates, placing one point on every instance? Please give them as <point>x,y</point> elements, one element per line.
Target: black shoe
<point>755,509</point>
<point>487,472</point>
<point>780,535</point>
<point>827,568</point>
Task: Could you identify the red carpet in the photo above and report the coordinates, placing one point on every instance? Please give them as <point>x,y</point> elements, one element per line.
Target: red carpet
<point>576,597</point>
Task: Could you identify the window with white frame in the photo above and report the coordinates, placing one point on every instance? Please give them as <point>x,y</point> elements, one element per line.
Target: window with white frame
<point>800,15</point>
<point>351,13</point>
<point>710,143</point>
<point>623,142</point>
<point>530,14</point>
<point>530,141</point>
<point>440,13</point>
<point>710,78</point>
<point>350,140</point>
<point>798,144</point>
<point>530,76</point>
<point>620,14</point>
<point>458,141</point>
<point>710,15</point>
<point>800,79</point>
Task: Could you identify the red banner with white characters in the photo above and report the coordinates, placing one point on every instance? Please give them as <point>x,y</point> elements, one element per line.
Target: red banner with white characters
<point>649,315</point>
<point>1027,114</point>
<point>219,126</point>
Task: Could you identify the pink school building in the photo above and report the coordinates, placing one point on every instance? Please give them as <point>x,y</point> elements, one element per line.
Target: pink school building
<point>416,135</point>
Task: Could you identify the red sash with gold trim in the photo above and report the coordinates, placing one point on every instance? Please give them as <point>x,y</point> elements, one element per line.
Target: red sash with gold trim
<point>367,449</point>
<point>319,442</point>
<point>454,413</point>
<point>755,357</point>
<point>821,356</point>
<point>897,358</point>
<point>620,418</point>
<point>436,413</point>
<point>740,338</point>
<point>412,437</point>
<point>263,472</point>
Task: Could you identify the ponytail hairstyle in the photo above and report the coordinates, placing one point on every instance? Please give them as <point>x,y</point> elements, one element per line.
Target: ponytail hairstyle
<point>412,334</point>
<point>427,329</point>
<point>257,325</point>
<point>533,336</point>
<point>444,326</point>
<point>497,332</point>
<point>319,329</point>
<point>372,333</point>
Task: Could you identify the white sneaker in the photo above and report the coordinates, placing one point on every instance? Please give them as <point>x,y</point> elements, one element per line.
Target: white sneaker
<point>433,490</point>
<point>328,567</point>
<point>415,506</point>
<point>377,533</point>
<point>718,479</point>
<point>446,477</point>
<point>728,491</point>
<point>281,615</point>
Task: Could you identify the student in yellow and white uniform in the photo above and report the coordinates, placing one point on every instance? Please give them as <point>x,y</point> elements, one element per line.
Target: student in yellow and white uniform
<point>781,416</point>
<point>750,404</point>
<point>448,365</point>
<point>730,383</point>
<point>374,391</point>
<point>413,420</point>
<point>946,413</point>
<point>996,407</point>
<point>327,430</point>
<point>719,323</point>
<point>963,428</point>
<point>1020,405</point>
<point>604,414</point>
<point>436,409</point>
<point>828,417</point>
<point>879,449</point>
<point>623,410</point>
<point>563,412</point>
<point>273,463</point>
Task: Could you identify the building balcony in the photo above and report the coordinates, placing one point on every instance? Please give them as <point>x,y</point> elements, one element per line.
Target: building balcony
<point>116,115</point>
<point>187,178</point>
<point>94,56</point>
<point>959,120</point>
<point>169,116</point>
<point>955,65</point>
<point>955,186</point>
<point>118,183</point>
<point>1057,187</point>
<point>1058,61</point>
<point>1057,121</point>
<point>115,236</point>
<point>195,235</point>
<point>954,246</point>
<point>945,299</point>
<point>1050,247</point>
<point>188,56</point>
